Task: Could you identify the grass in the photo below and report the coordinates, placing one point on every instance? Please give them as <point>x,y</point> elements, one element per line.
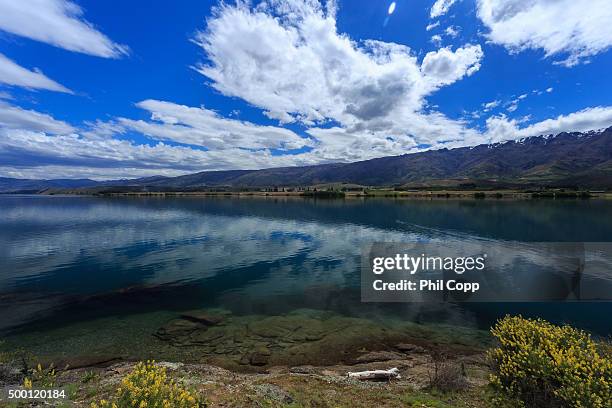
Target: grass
<point>314,391</point>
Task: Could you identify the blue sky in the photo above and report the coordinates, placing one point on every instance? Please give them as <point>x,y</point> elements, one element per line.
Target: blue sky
<point>114,89</point>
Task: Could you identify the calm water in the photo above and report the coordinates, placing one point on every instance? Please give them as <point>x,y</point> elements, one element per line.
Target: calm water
<point>66,262</point>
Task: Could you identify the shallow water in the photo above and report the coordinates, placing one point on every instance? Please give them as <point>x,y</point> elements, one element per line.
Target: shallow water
<point>102,274</point>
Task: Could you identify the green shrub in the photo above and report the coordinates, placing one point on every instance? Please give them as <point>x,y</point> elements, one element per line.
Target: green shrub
<point>538,364</point>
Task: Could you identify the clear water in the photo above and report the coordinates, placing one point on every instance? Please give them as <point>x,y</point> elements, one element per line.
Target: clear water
<point>72,267</point>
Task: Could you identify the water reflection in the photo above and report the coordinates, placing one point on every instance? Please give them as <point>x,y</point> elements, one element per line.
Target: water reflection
<point>69,258</point>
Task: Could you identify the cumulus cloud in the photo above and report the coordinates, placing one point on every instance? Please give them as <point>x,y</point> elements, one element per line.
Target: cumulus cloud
<point>16,75</point>
<point>573,30</point>
<point>500,128</point>
<point>288,58</point>
<point>440,7</point>
<point>446,66</point>
<point>59,23</point>
<point>298,68</point>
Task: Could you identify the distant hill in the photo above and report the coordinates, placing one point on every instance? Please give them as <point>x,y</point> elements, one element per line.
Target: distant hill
<point>578,160</point>
<point>566,159</point>
<point>33,186</point>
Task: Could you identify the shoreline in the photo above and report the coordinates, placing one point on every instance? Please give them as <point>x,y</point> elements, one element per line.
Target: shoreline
<point>299,386</point>
<point>367,194</point>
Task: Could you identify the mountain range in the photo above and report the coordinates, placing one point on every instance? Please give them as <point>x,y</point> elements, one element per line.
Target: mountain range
<point>572,160</point>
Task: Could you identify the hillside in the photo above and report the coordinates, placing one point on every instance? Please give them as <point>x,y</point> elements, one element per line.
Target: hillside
<point>566,159</point>
<point>575,160</point>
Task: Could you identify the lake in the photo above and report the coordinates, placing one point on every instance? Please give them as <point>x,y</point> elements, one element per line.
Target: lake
<point>104,275</point>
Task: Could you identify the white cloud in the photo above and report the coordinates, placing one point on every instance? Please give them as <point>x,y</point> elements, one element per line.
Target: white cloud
<point>572,29</point>
<point>35,145</point>
<point>491,105</point>
<point>59,23</point>
<point>203,127</point>
<point>452,31</point>
<point>13,117</point>
<point>287,58</point>
<point>299,68</point>
<point>13,74</point>
<point>549,90</point>
<point>445,66</point>
<point>433,25</point>
<point>500,128</point>
<point>31,154</point>
<point>440,7</point>
<point>436,40</point>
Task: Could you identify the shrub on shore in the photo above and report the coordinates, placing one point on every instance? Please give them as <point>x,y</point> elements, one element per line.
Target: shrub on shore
<point>538,364</point>
<point>148,386</point>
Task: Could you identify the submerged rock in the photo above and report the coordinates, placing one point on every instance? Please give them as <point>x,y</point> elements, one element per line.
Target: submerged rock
<point>248,342</point>
<point>290,329</point>
<point>176,328</point>
<point>203,336</point>
<point>204,317</point>
<point>410,348</point>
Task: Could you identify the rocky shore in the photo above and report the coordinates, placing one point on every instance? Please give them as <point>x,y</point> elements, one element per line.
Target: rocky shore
<point>296,386</point>
<point>297,359</point>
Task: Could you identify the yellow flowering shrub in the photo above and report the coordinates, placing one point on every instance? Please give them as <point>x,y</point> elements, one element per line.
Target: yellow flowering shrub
<point>40,377</point>
<point>538,364</point>
<point>148,386</point>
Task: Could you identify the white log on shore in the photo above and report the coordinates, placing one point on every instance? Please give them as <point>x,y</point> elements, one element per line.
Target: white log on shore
<point>376,374</point>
